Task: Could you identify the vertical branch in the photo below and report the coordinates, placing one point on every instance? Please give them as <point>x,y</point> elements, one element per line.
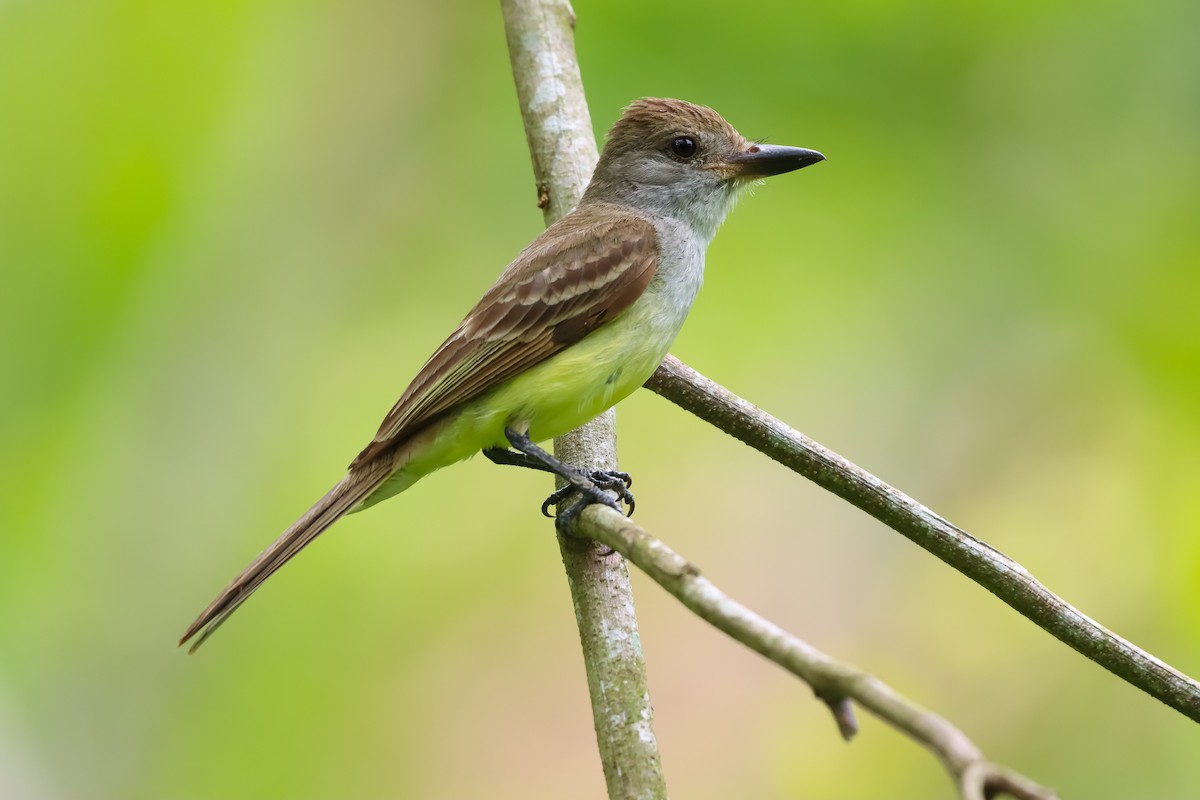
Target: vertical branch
<point>562,145</point>
<point>558,127</point>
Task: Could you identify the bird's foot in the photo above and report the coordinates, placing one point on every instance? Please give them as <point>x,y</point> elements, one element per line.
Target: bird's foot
<point>592,487</point>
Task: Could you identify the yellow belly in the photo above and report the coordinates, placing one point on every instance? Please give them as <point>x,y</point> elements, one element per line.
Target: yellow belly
<point>547,400</point>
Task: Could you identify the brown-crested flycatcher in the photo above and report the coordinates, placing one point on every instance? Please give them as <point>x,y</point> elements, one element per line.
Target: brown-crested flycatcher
<point>580,319</point>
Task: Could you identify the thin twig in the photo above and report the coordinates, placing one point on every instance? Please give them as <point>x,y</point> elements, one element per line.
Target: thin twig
<point>980,562</point>
<point>562,146</point>
<point>833,682</point>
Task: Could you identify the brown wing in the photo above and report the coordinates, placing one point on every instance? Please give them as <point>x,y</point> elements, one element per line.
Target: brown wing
<point>580,273</point>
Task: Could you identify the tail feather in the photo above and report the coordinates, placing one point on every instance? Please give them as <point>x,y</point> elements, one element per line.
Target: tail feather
<point>348,492</point>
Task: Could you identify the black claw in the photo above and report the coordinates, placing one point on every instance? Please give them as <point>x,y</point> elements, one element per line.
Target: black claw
<point>555,498</point>
<point>592,487</point>
<point>611,479</point>
<point>612,476</point>
<point>618,482</point>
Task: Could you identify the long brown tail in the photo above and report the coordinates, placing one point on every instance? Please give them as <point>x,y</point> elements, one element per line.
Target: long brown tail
<point>348,492</point>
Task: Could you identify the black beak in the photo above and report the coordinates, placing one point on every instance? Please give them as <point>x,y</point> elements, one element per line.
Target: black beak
<point>763,160</point>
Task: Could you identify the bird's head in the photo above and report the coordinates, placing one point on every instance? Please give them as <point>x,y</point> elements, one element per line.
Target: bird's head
<point>685,161</point>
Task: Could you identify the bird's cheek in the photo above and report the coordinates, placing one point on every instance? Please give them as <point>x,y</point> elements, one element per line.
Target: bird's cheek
<point>653,173</point>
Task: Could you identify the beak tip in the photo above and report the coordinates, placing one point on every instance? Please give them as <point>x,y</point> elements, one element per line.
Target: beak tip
<point>765,160</point>
<point>815,158</point>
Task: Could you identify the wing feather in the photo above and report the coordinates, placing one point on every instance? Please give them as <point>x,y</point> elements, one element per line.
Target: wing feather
<point>579,274</point>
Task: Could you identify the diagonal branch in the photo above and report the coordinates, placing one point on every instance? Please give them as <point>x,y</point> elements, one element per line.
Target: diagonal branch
<point>833,682</point>
<point>980,562</point>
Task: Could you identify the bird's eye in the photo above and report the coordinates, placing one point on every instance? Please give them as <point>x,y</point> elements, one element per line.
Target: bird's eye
<point>683,146</point>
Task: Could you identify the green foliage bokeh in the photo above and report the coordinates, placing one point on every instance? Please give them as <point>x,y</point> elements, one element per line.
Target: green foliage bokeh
<point>231,231</point>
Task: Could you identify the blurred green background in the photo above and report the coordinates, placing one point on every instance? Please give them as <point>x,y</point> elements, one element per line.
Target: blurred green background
<point>230,232</point>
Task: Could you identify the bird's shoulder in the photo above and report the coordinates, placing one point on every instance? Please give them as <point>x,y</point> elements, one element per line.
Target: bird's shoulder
<point>593,241</point>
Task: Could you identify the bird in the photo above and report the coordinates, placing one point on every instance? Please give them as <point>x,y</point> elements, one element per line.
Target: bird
<point>580,319</point>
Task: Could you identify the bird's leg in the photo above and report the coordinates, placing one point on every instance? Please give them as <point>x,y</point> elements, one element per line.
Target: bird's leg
<point>605,479</point>
<point>509,458</point>
<point>593,485</point>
